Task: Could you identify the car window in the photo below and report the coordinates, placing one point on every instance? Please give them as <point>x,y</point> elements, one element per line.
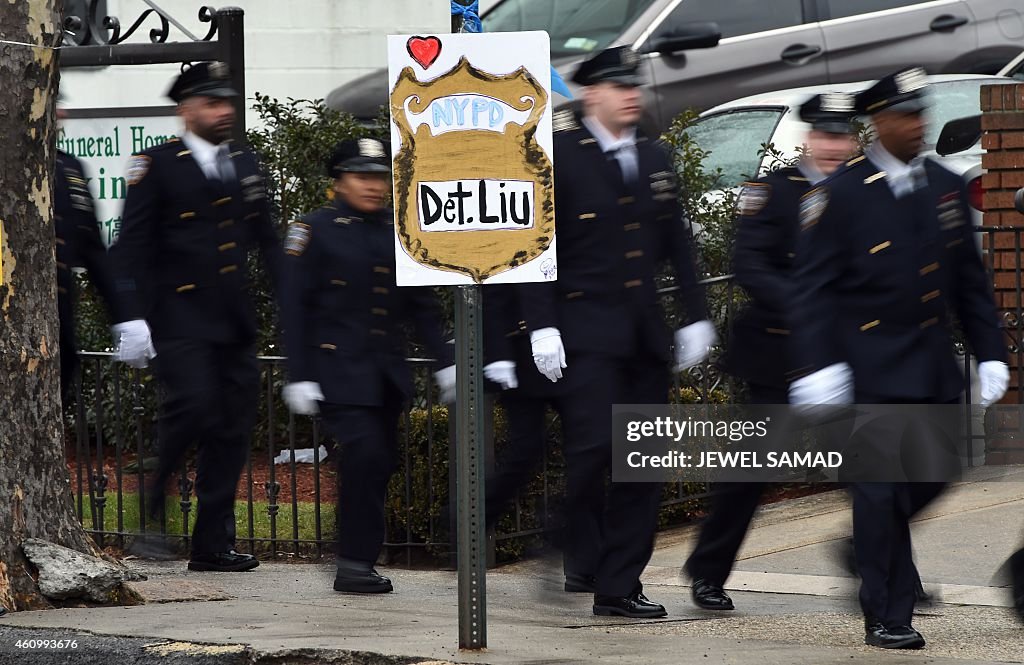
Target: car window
<point>951,100</point>
<point>844,8</point>
<point>739,17</point>
<point>734,140</point>
<point>575,26</point>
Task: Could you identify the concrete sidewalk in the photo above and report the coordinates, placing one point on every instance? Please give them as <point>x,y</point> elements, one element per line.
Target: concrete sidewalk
<point>795,604</point>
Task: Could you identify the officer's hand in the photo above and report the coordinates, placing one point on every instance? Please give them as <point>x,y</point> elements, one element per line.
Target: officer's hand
<point>302,397</point>
<point>693,344</point>
<point>832,385</point>
<point>502,372</point>
<point>134,343</point>
<point>995,379</point>
<point>445,379</point>
<point>548,352</point>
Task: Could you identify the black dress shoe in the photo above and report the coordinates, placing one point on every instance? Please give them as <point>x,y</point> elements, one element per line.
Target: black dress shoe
<point>1017,582</point>
<point>580,583</point>
<point>634,606</point>
<point>901,637</point>
<point>361,581</point>
<point>710,596</point>
<point>225,562</point>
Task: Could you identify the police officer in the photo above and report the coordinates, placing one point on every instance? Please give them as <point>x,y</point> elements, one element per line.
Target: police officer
<point>886,250</point>
<point>343,316</point>
<point>78,244</point>
<point>195,208</point>
<point>766,228</point>
<point>600,327</point>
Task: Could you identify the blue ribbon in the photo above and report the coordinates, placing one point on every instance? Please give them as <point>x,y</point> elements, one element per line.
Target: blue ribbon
<point>470,16</point>
<point>558,84</point>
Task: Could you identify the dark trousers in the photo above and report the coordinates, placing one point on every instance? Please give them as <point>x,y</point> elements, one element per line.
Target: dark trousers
<point>732,508</point>
<point>68,355</point>
<point>524,453</point>
<point>881,542</point>
<point>595,382</point>
<point>208,397</point>
<point>367,438</point>
<point>881,538</point>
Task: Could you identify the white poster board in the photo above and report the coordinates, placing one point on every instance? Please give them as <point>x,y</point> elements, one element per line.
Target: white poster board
<point>472,158</point>
<point>104,145</point>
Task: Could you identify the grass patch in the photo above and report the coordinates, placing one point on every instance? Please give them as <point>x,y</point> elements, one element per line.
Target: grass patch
<point>281,527</point>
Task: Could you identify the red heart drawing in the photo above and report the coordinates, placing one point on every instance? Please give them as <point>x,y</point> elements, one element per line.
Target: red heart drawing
<point>424,50</point>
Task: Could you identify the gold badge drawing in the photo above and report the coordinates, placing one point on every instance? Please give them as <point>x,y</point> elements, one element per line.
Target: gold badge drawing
<point>473,185</point>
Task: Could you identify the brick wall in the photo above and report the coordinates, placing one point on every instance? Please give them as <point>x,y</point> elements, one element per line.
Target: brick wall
<point>1002,123</point>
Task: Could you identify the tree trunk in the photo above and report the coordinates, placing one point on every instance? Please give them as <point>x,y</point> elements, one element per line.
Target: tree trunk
<point>35,488</point>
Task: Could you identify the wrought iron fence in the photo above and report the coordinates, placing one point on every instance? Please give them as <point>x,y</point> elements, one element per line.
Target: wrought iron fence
<point>287,508</point>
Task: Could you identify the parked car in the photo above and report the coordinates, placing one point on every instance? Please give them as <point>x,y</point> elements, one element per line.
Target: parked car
<point>735,131</point>
<point>1015,68</point>
<point>765,44</point>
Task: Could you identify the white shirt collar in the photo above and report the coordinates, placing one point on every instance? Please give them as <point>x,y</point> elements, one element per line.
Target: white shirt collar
<point>810,171</point>
<point>902,177</point>
<point>204,152</point>
<point>605,140</point>
<point>883,159</point>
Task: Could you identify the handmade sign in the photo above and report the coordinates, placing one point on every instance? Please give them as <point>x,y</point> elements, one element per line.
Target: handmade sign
<point>471,150</point>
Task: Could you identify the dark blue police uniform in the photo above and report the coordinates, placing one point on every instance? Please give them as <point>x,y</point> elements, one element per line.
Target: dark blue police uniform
<point>181,264</point>
<point>344,320</point>
<point>877,279</point>
<point>614,235</point>
<point>78,245</point>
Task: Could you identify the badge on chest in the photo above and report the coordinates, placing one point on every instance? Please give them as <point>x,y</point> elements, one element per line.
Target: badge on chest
<point>950,211</point>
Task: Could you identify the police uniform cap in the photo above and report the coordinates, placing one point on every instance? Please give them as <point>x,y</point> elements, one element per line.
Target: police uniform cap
<point>207,79</point>
<point>829,112</point>
<point>620,64</point>
<point>359,156</point>
<point>904,91</point>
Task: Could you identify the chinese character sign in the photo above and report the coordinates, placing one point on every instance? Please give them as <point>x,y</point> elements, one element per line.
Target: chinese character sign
<point>471,150</point>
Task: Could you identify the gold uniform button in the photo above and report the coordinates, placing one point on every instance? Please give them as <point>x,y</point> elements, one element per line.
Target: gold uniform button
<point>568,296</point>
<point>226,223</point>
<point>329,347</point>
<point>222,201</point>
<point>588,215</point>
<point>339,282</point>
<point>384,270</point>
<point>634,283</point>
<point>869,325</point>
<point>625,200</point>
<point>931,267</point>
<point>185,287</point>
<point>931,295</point>
<point>226,269</point>
<point>633,226</point>
<point>635,254</point>
<point>930,322</point>
<point>879,247</point>
<point>380,290</point>
<point>251,215</point>
<point>378,311</point>
<point>60,241</point>
<point>187,215</point>
<point>226,246</point>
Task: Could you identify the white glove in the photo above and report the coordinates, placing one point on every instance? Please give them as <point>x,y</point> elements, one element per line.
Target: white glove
<point>832,385</point>
<point>445,379</point>
<point>995,379</point>
<point>134,344</point>
<point>693,343</point>
<point>548,352</point>
<point>502,372</point>
<point>302,397</point>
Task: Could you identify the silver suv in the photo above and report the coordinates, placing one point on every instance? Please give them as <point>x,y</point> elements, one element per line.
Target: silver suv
<point>765,44</point>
